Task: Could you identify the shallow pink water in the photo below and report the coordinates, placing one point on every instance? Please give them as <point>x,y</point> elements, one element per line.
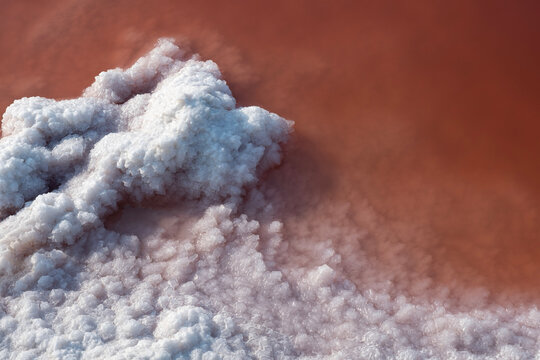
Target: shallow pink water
<point>425,114</point>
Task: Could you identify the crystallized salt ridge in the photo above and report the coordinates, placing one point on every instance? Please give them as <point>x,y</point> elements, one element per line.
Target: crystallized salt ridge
<point>185,137</point>
<point>198,281</point>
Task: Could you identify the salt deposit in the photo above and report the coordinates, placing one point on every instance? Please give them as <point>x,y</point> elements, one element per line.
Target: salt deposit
<point>197,277</point>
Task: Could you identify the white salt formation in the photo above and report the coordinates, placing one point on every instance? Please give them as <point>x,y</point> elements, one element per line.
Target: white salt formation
<point>197,279</point>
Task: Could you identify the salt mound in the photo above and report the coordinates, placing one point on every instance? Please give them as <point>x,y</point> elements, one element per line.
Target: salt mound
<point>198,280</point>
<point>68,164</point>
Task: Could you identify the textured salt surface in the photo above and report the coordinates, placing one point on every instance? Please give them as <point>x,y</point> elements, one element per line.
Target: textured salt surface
<point>215,274</point>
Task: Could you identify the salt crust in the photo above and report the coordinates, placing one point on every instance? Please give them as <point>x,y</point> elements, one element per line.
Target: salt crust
<point>209,283</point>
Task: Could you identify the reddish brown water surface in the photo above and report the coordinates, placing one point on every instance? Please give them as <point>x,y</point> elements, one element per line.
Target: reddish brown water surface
<point>427,110</point>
